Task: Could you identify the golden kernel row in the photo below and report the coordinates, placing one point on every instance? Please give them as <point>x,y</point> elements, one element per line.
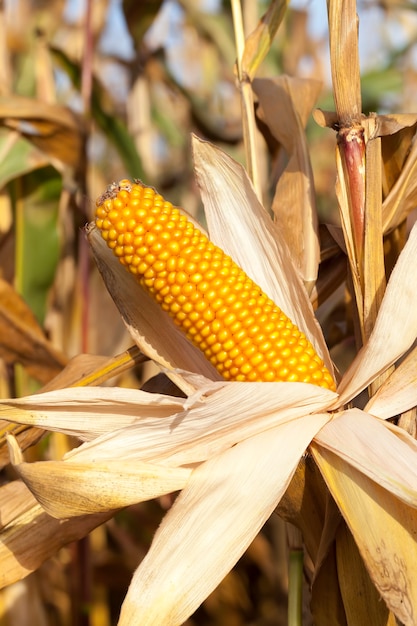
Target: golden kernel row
<point>222,311</point>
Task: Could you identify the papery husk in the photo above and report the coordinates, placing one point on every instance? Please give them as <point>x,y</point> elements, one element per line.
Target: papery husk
<point>399,392</point>
<point>212,522</point>
<point>87,412</point>
<point>381,451</point>
<point>239,224</point>
<point>395,328</point>
<point>151,328</point>
<point>29,536</point>
<point>384,529</point>
<point>361,600</point>
<point>68,489</point>
<point>208,426</point>
<point>82,370</point>
<point>294,203</point>
<point>234,410</point>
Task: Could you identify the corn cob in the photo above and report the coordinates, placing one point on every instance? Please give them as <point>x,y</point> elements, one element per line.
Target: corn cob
<point>223,312</point>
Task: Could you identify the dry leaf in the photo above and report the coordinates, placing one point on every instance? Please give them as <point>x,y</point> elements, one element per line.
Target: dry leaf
<point>67,488</point>
<point>259,42</point>
<point>55,129</point>
<point>23,341</point>
<point>294,204</point>
<point>383,527</point>
<point>30,536</point>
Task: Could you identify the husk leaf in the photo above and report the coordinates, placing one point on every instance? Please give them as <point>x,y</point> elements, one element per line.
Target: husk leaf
<point>384,529</point>
<point>20,554</point>
<point>212,522</point>
<point>67,489</point>
<point>390,461</point>
<point>395,328</point>
<point>234,412</point>
<point>294,204</point>
<point>399,392</point>
<point>87,412</point>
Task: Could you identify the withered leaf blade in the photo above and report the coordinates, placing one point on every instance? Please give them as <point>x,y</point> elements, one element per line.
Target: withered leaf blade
<point>29,536</point>
<point>22,340</point>
<point>68,489</point>
<point>53,128</point>
<point>294,203</point>
<point>382,526</point>
<point>259,42</point>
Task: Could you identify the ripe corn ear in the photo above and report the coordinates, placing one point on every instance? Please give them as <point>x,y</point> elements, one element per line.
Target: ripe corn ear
<point>223,312</point>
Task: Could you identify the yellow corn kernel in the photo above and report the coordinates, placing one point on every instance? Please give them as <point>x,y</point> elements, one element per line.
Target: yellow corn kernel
<point>221,310</point>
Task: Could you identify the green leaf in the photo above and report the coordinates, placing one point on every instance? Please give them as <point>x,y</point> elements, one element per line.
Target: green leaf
<point>36,198</point>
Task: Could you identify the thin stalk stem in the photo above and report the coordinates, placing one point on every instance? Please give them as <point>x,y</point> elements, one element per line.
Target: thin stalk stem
<point>295,587</point>
<point>247,103</point>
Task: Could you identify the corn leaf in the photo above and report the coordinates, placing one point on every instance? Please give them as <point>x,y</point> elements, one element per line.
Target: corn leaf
<point>52,128</point>
<point>68,489</point>
<point>259,42</point>
<point>23,341</point>
<point>395,328</point>
<point>212,522</point>
<point>18,156</point>
<point>21,514</point>
<point>381,525</point>
<point>294,203</point>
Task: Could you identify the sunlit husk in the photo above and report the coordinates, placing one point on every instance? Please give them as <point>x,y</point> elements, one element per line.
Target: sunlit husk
<point>395,329</point>
<point>383,527</point>
<point>236,411</point>
<point>216,516</point>
<point>399,392</point>
<point>30,536</point>
<point>67,489</point>
<point>88,412</point>
<point>386,454</point>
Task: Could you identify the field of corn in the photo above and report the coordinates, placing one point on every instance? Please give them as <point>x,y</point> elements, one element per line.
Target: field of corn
<point>208,313</point>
